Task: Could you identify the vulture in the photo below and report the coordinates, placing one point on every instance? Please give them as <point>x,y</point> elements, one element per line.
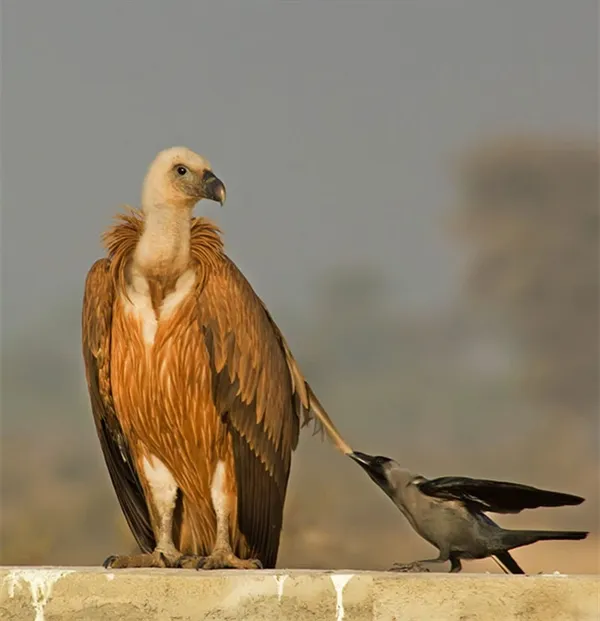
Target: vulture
<point>196,397</point>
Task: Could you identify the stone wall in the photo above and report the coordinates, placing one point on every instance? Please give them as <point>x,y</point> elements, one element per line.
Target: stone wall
<point>95,594</point>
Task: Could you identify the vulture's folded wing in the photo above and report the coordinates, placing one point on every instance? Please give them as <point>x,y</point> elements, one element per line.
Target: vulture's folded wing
<point>260,394</point>
<point>495,496</point>
<point>96,341</point>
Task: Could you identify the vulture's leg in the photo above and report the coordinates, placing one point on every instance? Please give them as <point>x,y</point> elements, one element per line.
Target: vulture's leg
<point>222,556</point>
<point>163,490</point>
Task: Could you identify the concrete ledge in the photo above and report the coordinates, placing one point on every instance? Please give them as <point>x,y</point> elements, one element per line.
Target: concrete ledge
<point>94,594</point>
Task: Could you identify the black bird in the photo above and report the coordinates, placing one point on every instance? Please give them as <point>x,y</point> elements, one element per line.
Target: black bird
<point>449,512</point>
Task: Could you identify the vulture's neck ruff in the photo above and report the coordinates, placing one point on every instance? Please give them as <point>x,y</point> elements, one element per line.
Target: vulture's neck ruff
<point>205,244</point>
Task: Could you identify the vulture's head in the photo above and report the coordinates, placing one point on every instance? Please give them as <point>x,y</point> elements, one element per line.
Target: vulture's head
<point>179,178</point>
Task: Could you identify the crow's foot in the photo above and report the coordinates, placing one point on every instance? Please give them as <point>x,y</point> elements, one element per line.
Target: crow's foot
<point>415,567</point>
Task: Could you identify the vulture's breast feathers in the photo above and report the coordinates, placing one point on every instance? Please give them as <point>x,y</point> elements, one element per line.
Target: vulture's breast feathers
<point>154,301</point>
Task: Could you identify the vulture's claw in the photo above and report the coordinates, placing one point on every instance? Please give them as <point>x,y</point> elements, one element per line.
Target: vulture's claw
<point>121,561</point>
<point>189,561</point>
<point>226,560</point>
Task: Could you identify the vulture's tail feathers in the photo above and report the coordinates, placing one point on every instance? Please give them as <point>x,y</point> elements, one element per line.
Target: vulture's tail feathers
<point>326,422</point>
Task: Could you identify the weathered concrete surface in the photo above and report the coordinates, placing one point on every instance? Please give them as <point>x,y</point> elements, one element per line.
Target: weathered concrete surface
<point>94,594</point>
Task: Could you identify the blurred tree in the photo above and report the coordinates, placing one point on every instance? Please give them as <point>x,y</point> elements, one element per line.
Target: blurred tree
<point>529,216</point>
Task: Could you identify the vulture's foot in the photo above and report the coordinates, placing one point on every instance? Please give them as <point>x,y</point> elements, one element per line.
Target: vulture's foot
<point>415,567</point>
<point>219,559</point>
<point>158,558</point>
<point>189,561</point>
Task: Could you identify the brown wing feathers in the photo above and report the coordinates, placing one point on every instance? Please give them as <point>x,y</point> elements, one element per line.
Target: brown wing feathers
<point>252,389</point>
<point>261,469</point>
<point>96,328</point>
<point>260,500</point>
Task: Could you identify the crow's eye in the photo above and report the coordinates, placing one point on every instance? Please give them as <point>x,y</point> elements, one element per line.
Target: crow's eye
<point>181,170</point>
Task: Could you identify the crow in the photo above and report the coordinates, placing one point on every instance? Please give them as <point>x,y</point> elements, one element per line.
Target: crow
<point>449,512</point>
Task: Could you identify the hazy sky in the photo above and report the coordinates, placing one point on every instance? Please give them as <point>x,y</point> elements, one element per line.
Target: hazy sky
<point>331,124</point>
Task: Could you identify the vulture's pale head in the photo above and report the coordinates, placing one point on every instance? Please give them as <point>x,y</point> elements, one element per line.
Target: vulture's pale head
<point>179,178</point>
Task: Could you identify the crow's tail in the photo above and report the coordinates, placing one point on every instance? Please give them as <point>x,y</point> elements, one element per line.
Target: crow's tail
<point>517,538</point>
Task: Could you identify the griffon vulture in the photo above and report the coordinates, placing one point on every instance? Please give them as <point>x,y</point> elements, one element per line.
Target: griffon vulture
<point>196,397</point>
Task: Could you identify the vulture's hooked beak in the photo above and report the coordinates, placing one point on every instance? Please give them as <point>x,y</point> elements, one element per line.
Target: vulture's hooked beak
<point>213,187</point>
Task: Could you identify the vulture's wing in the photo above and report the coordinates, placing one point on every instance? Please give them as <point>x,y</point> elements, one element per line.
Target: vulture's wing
<point>260,394</point>
<point>96,333</point>
<point>495,496</point>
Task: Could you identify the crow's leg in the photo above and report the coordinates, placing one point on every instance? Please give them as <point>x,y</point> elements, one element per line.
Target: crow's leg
<point>509,563</point>
<point>455,564</point>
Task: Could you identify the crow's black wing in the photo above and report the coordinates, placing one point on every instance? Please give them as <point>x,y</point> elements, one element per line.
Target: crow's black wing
<point>495,496</point>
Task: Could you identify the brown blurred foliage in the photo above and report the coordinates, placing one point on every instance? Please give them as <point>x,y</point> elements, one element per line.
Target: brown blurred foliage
<point>504,384</point>
<point>529,216</point>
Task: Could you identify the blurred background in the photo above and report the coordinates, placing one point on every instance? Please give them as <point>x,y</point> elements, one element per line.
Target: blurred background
<point>412,190</point>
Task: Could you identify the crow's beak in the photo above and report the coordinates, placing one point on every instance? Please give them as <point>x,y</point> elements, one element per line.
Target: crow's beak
<point>366,461</point>
<point>373,466</point>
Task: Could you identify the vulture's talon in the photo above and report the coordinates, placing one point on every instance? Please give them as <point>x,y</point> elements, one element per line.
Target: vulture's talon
<point>122,561</point>
<point>226,560</point>
<point>168,556</point>
<point>188,561</point>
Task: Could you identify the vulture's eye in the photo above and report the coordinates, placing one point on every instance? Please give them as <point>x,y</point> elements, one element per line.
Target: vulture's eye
<point>181,170</point>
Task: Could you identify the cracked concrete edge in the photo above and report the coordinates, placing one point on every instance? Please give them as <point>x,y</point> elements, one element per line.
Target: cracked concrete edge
<point>95,594</point>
